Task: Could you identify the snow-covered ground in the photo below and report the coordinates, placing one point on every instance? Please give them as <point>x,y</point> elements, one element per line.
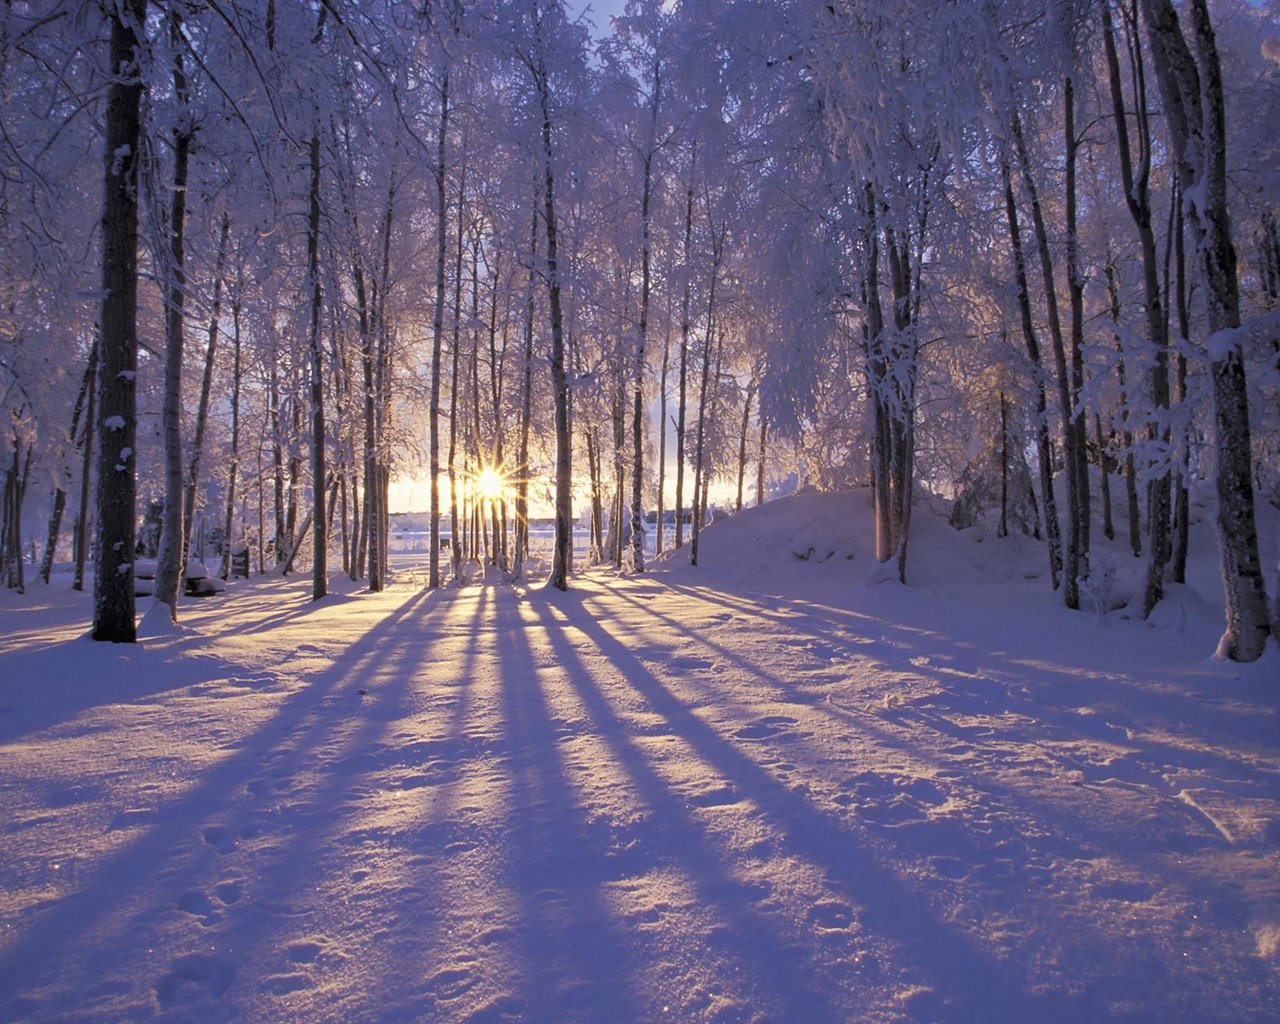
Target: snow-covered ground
<point>758,790</point>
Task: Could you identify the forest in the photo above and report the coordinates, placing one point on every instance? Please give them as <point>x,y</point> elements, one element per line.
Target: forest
<point>262,258</point>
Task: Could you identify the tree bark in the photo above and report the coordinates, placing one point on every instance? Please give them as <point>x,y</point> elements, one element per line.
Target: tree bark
<point>437,329</point>
<point>563,552</point>
<point>1071,563</point>
<point>742,441</point>
<point>319,532</point>
<point>206,384</point>
<point>74,440</point>
<point>1136,182</point>
<point>1075,291</point>
<point>1194,108</point>
<point>685,327</point>
<point>700,473</point>
<point>764,434</point>
<point>86,467</point>
<point>637,410</point>
<point>526,413</point>
<point>233,467</point>
<point>1044,445</point>
<point>113,605</point>
<point>172,555</point>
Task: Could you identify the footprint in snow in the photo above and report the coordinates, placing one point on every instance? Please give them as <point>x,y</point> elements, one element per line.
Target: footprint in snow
<point>831,917</point>
<point>227,893</point>
<point>765,728</point>
<point>198,905</point>
<point>452,982</point>
<point>219,838</point>
<point>191,977</point>
<point>285,984</point>
<point>304,951</point>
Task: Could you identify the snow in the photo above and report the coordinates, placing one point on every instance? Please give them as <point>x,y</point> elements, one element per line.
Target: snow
<point>114,423</point>
<point>758,790</point>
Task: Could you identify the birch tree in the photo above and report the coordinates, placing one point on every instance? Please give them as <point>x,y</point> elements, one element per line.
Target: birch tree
<point>1194,109</point>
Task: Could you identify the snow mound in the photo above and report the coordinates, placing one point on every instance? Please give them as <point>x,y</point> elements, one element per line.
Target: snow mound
<point>831,536</point>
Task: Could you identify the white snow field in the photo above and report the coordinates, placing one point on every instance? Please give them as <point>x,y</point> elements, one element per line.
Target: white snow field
<point>758,790</point>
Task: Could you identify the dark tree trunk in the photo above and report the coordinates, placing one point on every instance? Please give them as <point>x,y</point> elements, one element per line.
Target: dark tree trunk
<point>437,330</point>
<point>562,557</point>
<point>113,605</point>
<point>685,327</point>
<point>206,385</point>
<point>526,413</point>
<point>319,532</point>
<point>1194,107</point>
<point>1044,446</point>
<point>76,436</point>
<point>172,556</point>
<point>233,467</point>
<point>1135,178</point>
<point>1104,467</point>
<point>86,468</point>
<point>1071,564</point>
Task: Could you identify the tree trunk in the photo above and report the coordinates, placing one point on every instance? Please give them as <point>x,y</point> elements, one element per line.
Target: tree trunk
<point>1194,108</point>
<point>319,532</point>
<point>74,440</point>
<point>1132,511</point>
<point>15,491</point>
<point>742,442</point>
<point>113,604</point>
<point>497,456</point>
<point>563,552</point>
<point>660,540</point>
<point>1135,181</point>
<point>172,555</point>
<point>282,540</point>
<point>86,467</point>
<point>1075,289</point>
<point>1182,490</point>
<point>1071,564</point>
<point>526,413</point>
<point>455,519</point>
<point>685,326</point>
<point>699,459</point>
<point>637,408</point>
<point>233,467</point>
<point>1108,523</point>
<point>617,531</point>
<point>595,536</point>
<point>437,330</point>
<point>764,434</point>
<point>1044,446</point>
<point>1003,529</point>
<point>206,385</point>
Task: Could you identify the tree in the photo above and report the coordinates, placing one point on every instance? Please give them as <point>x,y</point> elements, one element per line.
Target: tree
<point>116,427</point>
<point>1194,102</point>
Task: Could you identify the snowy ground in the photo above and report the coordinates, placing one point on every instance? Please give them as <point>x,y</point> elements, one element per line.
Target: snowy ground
<point>760,790</point>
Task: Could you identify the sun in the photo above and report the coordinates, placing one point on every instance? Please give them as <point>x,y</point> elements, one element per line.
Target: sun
<point>490,484</point>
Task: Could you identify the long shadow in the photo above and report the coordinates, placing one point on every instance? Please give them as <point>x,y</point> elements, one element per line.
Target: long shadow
<point>777,973</point>
<point>974,683</point>
<point>62,689</point>
<point>120,889</point>
<point>398,856</point>
<point>970,984</point>
<point>962,659</point>
<point>576,961</point>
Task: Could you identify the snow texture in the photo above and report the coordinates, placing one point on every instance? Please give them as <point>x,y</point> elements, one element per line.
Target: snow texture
<point>755,791</point>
